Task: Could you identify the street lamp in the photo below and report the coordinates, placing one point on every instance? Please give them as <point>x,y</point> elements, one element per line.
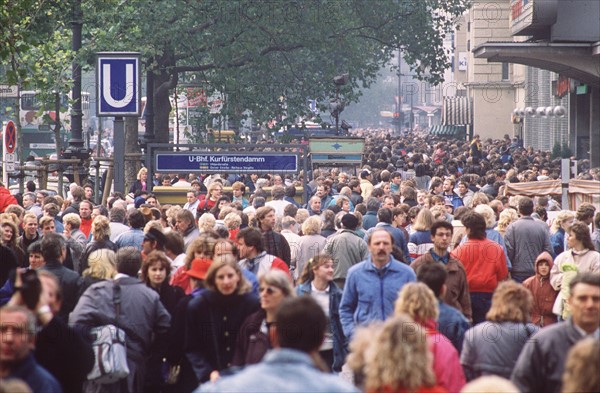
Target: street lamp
<point>336,106</point>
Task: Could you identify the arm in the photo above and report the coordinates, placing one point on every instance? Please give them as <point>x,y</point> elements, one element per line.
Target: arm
<point>348,306</point>
<point>509,241</point>
<point>286,253</point>
<point>528,373</point>
<point>556,276</point>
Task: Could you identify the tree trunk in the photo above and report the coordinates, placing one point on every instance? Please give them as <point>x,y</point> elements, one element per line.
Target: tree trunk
<point>162,107</point>
<point>131,146</point>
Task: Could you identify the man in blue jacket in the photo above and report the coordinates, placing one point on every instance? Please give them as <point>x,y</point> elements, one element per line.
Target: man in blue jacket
<point>372,285</point>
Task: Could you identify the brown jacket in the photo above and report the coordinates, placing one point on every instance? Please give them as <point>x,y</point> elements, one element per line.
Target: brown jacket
<point>457,293</point>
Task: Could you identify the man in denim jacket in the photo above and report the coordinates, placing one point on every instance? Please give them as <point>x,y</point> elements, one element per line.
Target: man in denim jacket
<point>372,285</point>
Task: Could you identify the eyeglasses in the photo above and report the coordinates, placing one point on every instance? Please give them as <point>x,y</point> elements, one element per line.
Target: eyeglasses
<point>269,290</point>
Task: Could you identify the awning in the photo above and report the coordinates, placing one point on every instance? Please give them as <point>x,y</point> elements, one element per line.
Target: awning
<point>573,60</point>
<point>450,131</point>
<point>534,188</point>
<point>456,111</point>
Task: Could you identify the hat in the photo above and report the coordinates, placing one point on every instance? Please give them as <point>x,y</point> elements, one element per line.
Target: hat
<point>349,221</point>
<point>199,268</point>
<point>365,173</point>
<point>156,235</point>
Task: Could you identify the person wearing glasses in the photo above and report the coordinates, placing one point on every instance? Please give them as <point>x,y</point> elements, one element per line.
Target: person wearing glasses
<point>253,339</point>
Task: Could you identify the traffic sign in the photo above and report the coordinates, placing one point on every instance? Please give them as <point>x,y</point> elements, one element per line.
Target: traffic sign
<point>118,84</point>
<point>10,137</point>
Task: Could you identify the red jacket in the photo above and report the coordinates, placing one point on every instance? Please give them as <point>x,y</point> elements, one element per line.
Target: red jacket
<point>6,199</point>
<point>485,264</point>
<point>543,293</point>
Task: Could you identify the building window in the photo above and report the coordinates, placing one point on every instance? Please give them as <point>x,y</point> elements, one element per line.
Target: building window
<point>504,71</point>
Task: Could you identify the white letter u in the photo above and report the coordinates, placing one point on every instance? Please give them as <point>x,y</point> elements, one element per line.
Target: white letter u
<point>106,91</point>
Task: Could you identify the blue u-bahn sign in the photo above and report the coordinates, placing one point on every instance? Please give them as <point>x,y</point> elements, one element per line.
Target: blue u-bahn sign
<point>118,83</point>
<point>226,163</point>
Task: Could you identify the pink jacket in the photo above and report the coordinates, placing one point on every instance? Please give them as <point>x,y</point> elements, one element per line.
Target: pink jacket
<point>446,362</point>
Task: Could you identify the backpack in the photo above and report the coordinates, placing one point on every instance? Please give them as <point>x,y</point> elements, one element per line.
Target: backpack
<point>110,350</point>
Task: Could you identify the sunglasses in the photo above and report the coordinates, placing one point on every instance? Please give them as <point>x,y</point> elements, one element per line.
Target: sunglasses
<point>269,290</point>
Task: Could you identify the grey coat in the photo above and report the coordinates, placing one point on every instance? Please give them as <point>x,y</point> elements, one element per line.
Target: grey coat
<point>525,239</point>
<point>347,249</point>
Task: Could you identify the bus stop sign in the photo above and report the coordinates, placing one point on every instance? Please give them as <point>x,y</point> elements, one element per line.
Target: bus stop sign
<point>10,137</point>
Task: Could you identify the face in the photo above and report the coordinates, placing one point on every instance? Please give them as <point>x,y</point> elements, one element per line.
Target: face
<point>191,198</point>
<point>28,201</point>
<point>346,206</point>
<point>49,293</point>
<point>324,272</point>
<point>152,201</point>
<point>315,204</point>
<point>585,306</point>
<point>237,192</point>
<point>7,233</point>
<point>572,241</point>
<point>226,280</point>
<point>420,198</point>
<point>268,222</point>
<point>157,274</point>
<point>396,180</point>
<point>95,213</point>
<point>216,192</point>
<point>49,227</point>
<point>223,203</point>
<point>277,181</point>
<point>17,342</point>
<point>320,191</point>
<point>438,189</point>
<point>39,198</point>
<point>270,296</point>
<point>388,202</point>
<point>442,238</point>
<point>166,182</point>
<point>380,247</point>
<point>147,246</point>
<point>89,193</point>
<point>181,225</point>
<point>143,176</point>
<point>400,219</point>
<point>387,188</point>
<point>566,224</point>
<point>36,260</point>
<point>30,225</point>
<point>462,188</point>
<point>543,269</point>
<point>447,186</point>
<point>85,211</point>
<point>244,250</point>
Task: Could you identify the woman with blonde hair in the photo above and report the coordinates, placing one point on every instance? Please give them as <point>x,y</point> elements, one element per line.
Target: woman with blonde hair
<point>310,244</point>
<point>507,217</point>
<point>142,183</point>
<point>201,247</point>
<point>420,240</point>
<point>102,266</point>
<point>493,347</point>
<point>398,359</point>
<point>581,368</point>
<point>316,280</point>
<point>206,223</point>
<point>562,222</point>
<point>217,315</point>
<point>100,240</point>
<point>419,303</point>
<point>479,198</point>
<point>253,340</point>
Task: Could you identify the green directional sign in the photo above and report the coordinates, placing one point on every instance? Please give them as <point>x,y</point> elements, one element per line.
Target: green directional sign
<point>340,150</point>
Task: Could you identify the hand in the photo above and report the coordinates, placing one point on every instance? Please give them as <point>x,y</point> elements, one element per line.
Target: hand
<point>214,376</point>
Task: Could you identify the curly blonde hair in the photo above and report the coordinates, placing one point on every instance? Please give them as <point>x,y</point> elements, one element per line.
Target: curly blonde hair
<point>561,218</point>
<point>511,302</point>
<point>507,217</point>
<point>206,222</point>
<point>399,357</point>
<point>100,228</point>
<point>417,301</point>
<point>102,264</point>
<point>488,213</point>
<point>581,373</point>
<point>312,226</point>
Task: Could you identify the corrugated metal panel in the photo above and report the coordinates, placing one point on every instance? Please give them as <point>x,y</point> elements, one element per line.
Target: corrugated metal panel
<point>456,111</point>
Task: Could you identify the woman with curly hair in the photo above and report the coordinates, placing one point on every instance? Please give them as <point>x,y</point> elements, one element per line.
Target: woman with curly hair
<point>399,361</point>
<point>562,222</point>
<point>311,243</point>
<point>418,302</point>
<point>100,240</point>
<point>507,217</point>
<point>201,247</point>
<point>493,347</point>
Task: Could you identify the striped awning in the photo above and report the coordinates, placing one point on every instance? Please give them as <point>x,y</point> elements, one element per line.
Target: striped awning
<point>456,111</point>
<point>444,130</point>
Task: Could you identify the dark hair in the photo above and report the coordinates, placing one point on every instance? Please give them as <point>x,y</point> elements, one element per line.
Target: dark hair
<point>174,242</point>
<point>136,219</point>
<point>476,224</point>
<point>385,215</point>
<point>301,324</point>
<point>582,233</point>
<point>152,258</point>
<point>433,275</point>
<point>53,245</point>
<point>35,247</point>
<point>525,206</point>
<point>290,210</point>
<point>441,224</point>
<point>585,278</point>
<point>252,238</point>
<point>129,261</point>
<point>117,214</point>
<point>290,191</point>
<point>307,274</point>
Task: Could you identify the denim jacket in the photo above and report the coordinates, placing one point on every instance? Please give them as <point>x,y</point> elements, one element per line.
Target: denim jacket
<point>369,293</point>
<point>335,296</point>
<point>282,370</point>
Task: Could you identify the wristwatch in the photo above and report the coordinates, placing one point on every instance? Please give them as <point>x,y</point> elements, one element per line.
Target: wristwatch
<point>43,310</point>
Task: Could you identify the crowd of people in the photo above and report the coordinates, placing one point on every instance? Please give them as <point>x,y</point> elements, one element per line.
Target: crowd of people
<point>414,274</point>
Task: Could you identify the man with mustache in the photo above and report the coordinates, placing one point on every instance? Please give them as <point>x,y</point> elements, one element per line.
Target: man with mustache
<point>373,285</point>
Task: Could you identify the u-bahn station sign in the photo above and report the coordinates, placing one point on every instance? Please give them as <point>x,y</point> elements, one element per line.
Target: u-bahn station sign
<point>226,163</point>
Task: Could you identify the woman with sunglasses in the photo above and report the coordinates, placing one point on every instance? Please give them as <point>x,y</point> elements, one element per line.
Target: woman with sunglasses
<point>215,317</point>
<point>316,280</point>
<point>253,340</point>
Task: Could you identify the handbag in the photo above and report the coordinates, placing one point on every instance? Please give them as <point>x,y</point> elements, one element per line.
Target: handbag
<point>109,346</point>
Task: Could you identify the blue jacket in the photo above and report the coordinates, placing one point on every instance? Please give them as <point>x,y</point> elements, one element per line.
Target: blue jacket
<point>369,294</point>
<point>454,199</point>
<point>558,241</point>
<point>281,370</point>
<point>452,324</point>
<point>397,235</point>
<point>35,376</point>
<point>369,220</point>
<point>335,297</point>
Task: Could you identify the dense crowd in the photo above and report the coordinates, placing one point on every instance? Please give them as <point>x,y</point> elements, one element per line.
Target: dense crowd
<point>416,273</point>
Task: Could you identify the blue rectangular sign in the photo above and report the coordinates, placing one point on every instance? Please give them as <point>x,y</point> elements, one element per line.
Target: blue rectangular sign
<point>225,162</point>
<point>118,84</point>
